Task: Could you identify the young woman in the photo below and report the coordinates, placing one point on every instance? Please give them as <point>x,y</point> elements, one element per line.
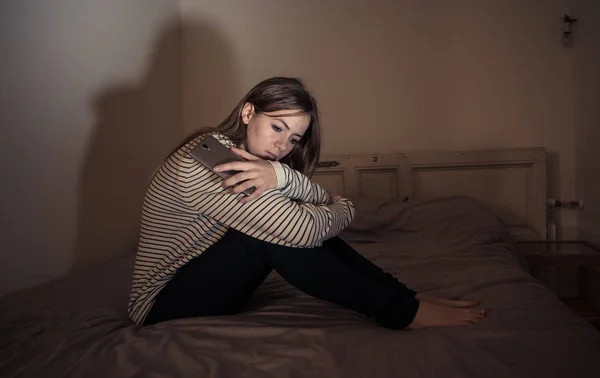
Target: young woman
<point>204,247</point>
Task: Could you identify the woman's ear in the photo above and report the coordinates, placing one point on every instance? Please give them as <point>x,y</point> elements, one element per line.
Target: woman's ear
<point>247,113</point>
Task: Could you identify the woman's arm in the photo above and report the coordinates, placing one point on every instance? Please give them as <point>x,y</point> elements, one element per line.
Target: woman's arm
<point>272,217</point>
<point>299,187</point>
<point>265,174</point>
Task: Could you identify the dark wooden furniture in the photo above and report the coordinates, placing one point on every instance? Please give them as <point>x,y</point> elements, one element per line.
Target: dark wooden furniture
<point>572,270</point>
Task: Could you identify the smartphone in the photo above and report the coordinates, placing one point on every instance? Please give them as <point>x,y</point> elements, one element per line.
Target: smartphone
<point>210,152</point>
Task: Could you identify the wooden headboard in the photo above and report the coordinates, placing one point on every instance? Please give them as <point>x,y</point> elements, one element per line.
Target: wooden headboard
<point>511,182</point>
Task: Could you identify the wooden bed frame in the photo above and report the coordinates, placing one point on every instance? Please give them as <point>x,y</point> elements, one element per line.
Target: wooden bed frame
<point>511,182</point>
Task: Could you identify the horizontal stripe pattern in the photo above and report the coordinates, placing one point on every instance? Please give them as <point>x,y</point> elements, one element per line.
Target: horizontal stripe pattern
<point>186,211</point>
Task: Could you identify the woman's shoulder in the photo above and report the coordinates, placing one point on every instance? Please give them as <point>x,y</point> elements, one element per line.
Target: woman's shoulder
<point>222,138</point>
<point>180,159</point>
<point>183,153</point>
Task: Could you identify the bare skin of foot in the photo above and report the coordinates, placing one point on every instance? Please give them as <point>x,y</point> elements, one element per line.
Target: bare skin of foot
<point>439,312</point>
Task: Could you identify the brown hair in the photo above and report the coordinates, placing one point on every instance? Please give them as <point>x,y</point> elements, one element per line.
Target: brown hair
<point>270,95</point>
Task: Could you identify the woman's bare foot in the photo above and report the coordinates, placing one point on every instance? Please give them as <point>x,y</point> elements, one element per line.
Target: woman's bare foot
<point>432,314</point>
<point>447,302</point>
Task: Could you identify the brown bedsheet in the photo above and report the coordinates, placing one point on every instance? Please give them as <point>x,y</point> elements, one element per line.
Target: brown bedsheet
<point>453,247</point>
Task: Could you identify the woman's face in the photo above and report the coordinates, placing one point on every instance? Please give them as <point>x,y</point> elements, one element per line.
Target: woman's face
<point>273,135</point>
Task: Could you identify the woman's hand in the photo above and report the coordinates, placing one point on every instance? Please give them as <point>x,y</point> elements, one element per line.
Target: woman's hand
<point>255,172</point>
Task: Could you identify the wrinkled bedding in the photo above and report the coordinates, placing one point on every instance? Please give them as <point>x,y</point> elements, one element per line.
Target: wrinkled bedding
<point>452,247</point>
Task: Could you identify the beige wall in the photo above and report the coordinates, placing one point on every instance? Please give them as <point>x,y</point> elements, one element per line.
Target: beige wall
<point>396,76</point>
<point>586,75</point>
<point>89,103</point>
<point>92,98</point>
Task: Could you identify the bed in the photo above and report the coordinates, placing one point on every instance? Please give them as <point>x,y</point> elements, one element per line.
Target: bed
<point>446,224</point>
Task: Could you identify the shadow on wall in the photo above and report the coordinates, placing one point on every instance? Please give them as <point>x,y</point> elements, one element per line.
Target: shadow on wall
<point>137,126</point>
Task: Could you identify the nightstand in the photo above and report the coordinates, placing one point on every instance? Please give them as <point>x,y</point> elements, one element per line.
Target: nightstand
<point>572,270</point>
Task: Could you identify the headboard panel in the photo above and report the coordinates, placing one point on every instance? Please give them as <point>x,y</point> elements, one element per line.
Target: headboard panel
<point>511,182</point>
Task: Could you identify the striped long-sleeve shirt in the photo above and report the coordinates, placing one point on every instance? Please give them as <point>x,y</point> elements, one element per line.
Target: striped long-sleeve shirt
<point>186,210</point>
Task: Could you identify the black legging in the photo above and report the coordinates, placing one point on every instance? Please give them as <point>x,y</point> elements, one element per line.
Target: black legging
<point>221,280</point>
